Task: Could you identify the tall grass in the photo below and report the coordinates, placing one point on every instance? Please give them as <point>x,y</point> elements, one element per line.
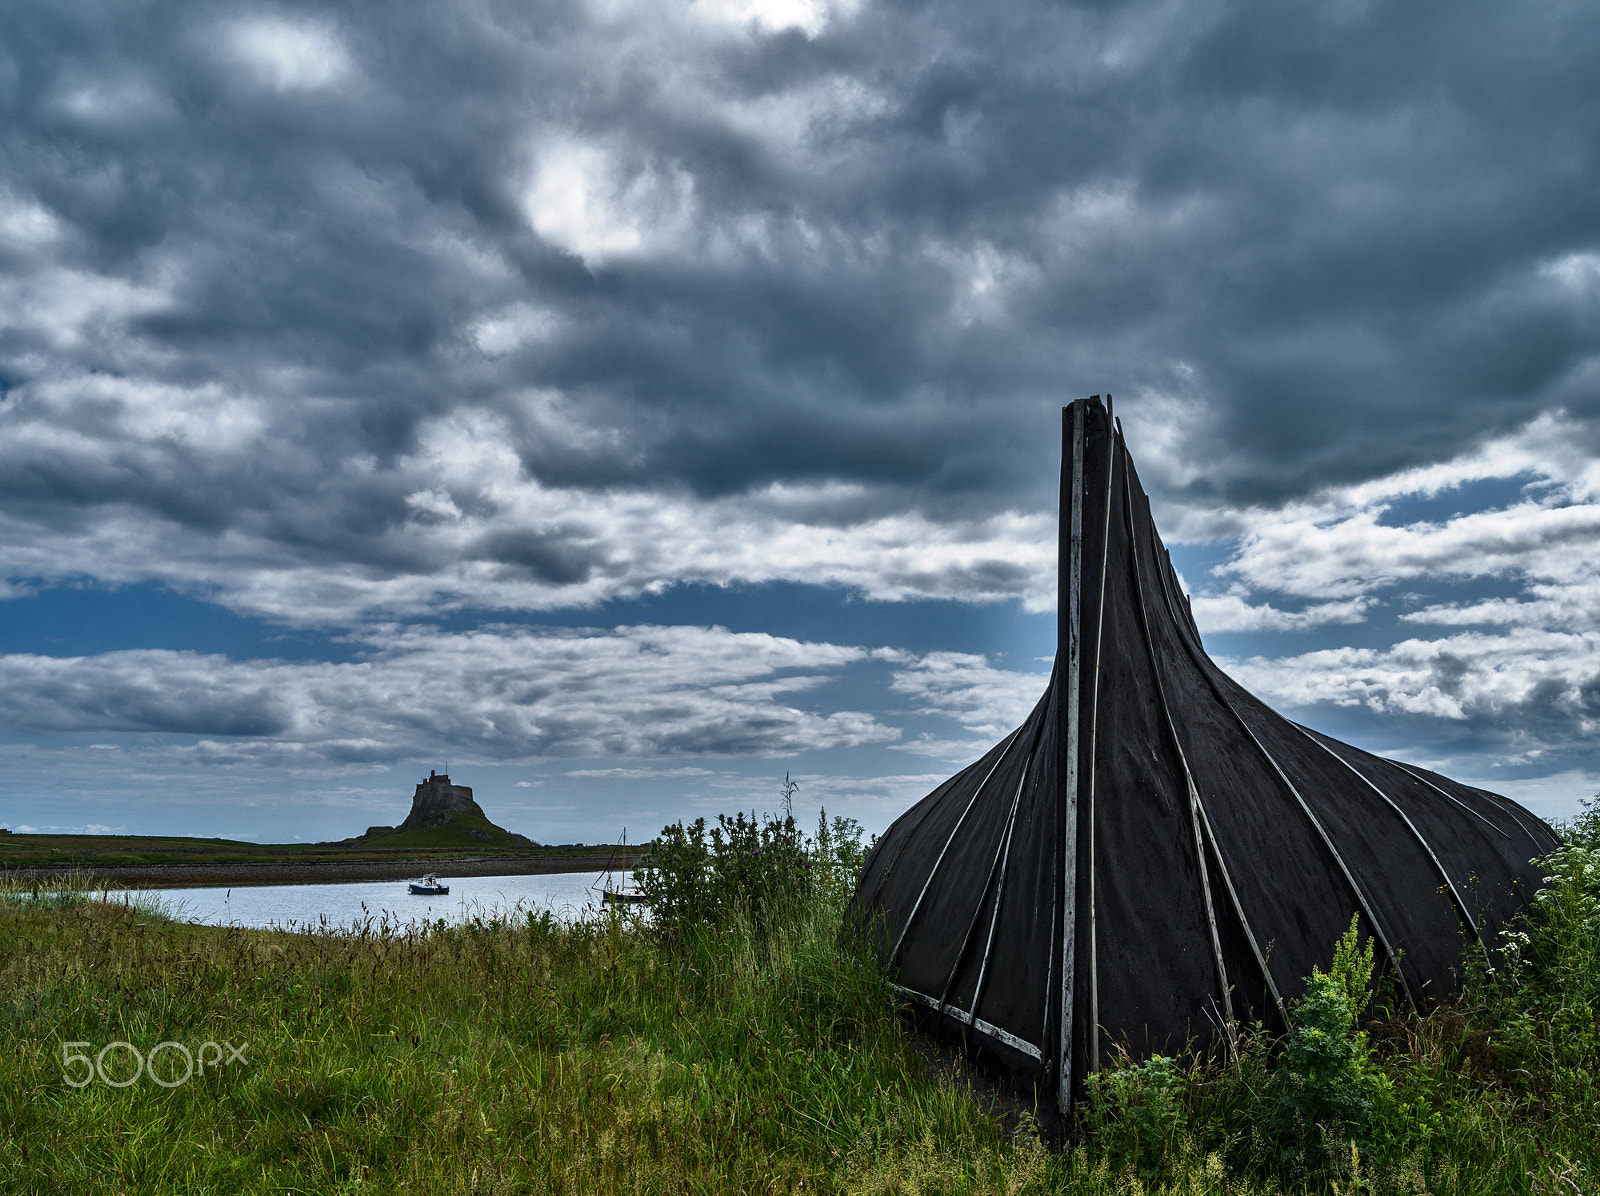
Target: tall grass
<point>495,1056</point>
<point>77,886</point>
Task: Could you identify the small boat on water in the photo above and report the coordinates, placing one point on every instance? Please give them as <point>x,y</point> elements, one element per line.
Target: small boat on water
<point>429,886</point>
<point>621,896</point>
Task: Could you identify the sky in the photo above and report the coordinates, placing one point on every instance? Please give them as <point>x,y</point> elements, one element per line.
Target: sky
<point>624,404</point>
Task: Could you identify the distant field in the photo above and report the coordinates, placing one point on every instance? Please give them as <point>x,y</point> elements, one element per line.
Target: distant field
<point>175,861</point>
<point>90,850</point>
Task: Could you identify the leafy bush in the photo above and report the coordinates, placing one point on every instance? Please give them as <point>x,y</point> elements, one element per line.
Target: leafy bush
<point>674,882</point>
<point>763,870</point>
<point>1136,1114</point>
<point>1543,1002</point>
<point>1584,830</point>
<point>1312,1106</point>
<point>1326,1092</point>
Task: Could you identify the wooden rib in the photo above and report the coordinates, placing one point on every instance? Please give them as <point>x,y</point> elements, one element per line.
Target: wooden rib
<point>1010,742</point>
<point>933,804</point>
<point>1001,854</point>
<point>1172,734</point>
<point>1227,877</point>
<point>1552,841</point>
<point>1000,888</point>
<point>1503,803</point>
<point>1206,667</point>
<point>1509,807</point>
<point>1094,731</point>
<point>1415,775</point>
<point>1327,842</point>
<point>1404,817</point>
<point>1067,878</point>
<point>977,1023</point>
<point>1238,909</point>
<point>1049,978</point>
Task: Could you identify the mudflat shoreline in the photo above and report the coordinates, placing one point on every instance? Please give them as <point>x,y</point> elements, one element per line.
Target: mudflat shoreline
<point>310,872</point>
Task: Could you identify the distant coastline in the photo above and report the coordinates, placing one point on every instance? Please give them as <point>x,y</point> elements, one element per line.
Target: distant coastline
<point>132,861</point>
<point>207,875</point>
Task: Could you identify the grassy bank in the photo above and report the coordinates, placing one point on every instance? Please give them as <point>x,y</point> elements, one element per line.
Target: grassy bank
<point>749,1049</point>
<point>486,1058</point>
<point>18,851</point>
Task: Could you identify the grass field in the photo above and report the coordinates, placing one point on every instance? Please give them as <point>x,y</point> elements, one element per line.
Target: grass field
<point>90,851</point>
<point>522,1055</point>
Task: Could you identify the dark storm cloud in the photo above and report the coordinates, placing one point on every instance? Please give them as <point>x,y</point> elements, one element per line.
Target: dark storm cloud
<point>282,278</point>
<point>162,692</point>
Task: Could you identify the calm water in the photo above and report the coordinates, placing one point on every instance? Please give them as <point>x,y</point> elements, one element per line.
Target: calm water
<point>566,894</point>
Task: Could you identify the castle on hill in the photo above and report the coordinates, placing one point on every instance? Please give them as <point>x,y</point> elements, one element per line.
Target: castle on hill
<point>436,802</point>
<point>440,805</point>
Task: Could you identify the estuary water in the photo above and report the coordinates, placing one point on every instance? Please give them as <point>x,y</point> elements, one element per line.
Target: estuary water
<point>567,895</point>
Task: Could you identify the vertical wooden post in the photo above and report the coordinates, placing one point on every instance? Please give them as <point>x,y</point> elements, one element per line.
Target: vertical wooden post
<point>1069,599</point>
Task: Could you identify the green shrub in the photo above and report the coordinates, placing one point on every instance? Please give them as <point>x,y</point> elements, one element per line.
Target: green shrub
<point>763,871</point>
<point>1311,1107</point>
<point>1544,1000</point>
<point>1136,1115</point>
<point>1326,1092</point>
<point>675,882</point>
<point>1497,1090</point>
<point>1584,830</point>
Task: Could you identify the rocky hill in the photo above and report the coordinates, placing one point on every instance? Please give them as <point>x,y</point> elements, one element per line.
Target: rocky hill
<point>443,814</point>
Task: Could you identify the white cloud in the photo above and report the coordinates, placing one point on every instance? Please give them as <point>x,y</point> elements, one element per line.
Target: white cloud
<point>639,774</point>
<point>26,226</point>
<point>286,55</point>
<point>1579,271</point>
<point>477,529</point>
<point>1552,797</point>
<point>1572,604</point>
<point>66,308</point>
<point>874,800</point>
<point>511,327</point>
<point>1342,547</point>
<point>1547,678</point>
<point>110,99</point>
<point>1353,554</point>
<point>496,693</point>
<point>798,121</point>
<point>984,279</point>
<point>586,199</point>
<point>1231,612</point>
<point>1518,675</point>
<point>810,17</point>
<point>956,752</point>
<point>988,702</point>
